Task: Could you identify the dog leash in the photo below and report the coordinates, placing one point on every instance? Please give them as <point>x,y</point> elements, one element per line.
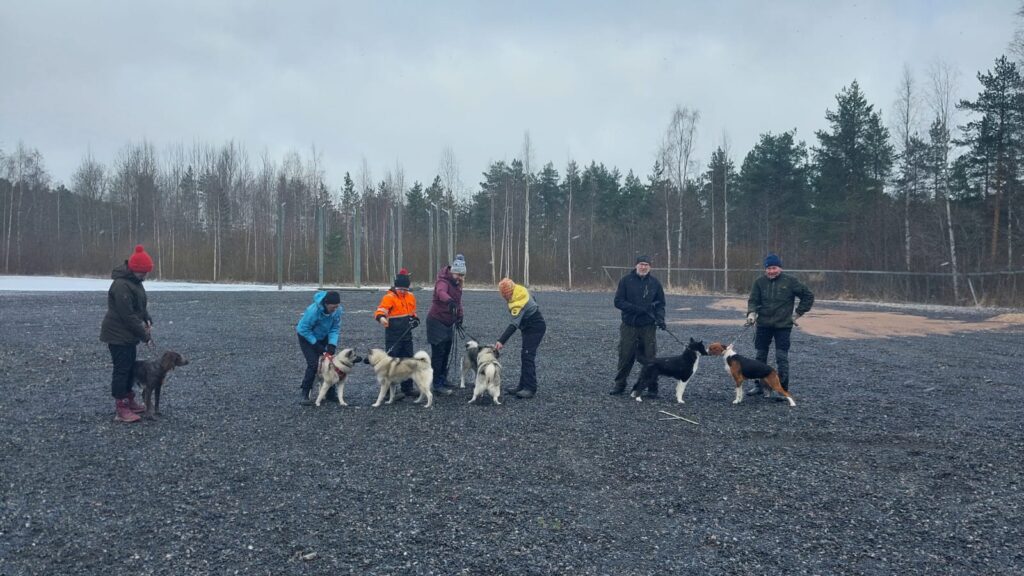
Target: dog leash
<point>674,337</point>
<point>399,341</point>
<point>740,333</point>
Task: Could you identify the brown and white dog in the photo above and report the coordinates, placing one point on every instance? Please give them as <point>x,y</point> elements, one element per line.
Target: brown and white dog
<point>333,371</point>
<point>152,375</point>
<point>742,368</point>
<point>392,371</point>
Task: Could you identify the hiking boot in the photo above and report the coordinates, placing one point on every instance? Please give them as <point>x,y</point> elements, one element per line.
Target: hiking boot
<point>305,401</point>
<point>123,412</point>
<point>618,390</point>
<point>651,394</point>
<point>755,390</point>
<point>511,391</point>
<point>400,395</point>
<point>135,406</point>
<point>525,393</point>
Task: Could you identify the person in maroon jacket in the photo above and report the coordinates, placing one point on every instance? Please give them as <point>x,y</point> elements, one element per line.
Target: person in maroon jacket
<point>445,315</point>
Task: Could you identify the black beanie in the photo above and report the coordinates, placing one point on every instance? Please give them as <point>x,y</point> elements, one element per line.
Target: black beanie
<point>332,297</point>
<point>402,279</point>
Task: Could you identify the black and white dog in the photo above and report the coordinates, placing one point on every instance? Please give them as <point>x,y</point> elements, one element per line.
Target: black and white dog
<point>681,367</point>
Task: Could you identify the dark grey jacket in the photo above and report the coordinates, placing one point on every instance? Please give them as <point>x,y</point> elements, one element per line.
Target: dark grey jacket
<point>642,300</point>
<point>127,317</point>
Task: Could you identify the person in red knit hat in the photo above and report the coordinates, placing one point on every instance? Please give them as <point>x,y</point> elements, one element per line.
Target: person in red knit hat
<point>127,323</point>
<point>397,314</point>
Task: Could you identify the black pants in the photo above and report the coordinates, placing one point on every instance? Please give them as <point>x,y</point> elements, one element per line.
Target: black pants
<point>401,349</point>
<point>312,353</point>
<point>440,355</point>
<point>634,341</point>
<point>123,357</point>
<point>441,338</point>
<point>763,340</point>
<point>532,336</point>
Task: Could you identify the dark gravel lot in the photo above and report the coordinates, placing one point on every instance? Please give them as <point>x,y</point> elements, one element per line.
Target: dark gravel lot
<point>903,456</point>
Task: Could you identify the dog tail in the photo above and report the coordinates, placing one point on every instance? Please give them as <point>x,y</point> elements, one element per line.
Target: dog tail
<point>422,355</point>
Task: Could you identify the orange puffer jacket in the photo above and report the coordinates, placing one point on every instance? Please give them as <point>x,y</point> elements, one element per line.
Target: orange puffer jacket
<point>399,307</point>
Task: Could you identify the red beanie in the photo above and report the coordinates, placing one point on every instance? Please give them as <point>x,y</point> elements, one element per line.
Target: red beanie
<point>140,261</point>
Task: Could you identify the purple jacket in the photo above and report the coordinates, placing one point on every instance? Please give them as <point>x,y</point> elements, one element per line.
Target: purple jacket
<point>446,290</point>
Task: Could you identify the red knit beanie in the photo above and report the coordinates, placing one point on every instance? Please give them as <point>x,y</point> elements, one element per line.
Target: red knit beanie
<point>140,261</point>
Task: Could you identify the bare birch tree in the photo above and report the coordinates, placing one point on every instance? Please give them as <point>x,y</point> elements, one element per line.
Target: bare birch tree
<point>679,141</point>
<point>906,125</point>
<point>527,175</point>
<point>940,100</point>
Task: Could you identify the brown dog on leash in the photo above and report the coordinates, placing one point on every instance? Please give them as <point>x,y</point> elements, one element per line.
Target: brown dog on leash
<point>152,374</point>
<point>742,368</point>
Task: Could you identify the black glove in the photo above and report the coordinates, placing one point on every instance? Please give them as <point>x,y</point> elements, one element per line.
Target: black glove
<point>661,324</point>
<point>458,324</point>
<point>330,349</point>
<point>452,308</point>
<point>414,322</point>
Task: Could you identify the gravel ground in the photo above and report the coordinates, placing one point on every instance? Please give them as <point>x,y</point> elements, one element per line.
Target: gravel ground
<point>902,456</point>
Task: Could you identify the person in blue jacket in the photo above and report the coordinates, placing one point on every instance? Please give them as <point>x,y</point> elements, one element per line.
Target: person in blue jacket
<point>318,335</point>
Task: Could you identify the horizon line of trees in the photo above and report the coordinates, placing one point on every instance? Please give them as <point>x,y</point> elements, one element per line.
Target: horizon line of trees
<point>924,194</point>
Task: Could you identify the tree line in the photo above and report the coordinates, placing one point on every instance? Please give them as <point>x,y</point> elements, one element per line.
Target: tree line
<point>933,198</point>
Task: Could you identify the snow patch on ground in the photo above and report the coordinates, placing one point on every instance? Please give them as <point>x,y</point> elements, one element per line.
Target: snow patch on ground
<point>68,284</point>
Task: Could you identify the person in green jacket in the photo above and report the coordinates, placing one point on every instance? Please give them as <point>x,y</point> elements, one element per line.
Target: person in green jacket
<point>770,305</point>
<point>127,323</point>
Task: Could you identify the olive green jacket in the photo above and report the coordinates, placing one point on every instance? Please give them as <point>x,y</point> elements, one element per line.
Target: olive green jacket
<point>772,300</point>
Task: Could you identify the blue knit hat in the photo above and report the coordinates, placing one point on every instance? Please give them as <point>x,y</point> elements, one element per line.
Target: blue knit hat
<point>459,265</point>
<point>772,260</point>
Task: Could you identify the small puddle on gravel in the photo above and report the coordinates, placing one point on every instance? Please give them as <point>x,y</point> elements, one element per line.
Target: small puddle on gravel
<point>862,325</point>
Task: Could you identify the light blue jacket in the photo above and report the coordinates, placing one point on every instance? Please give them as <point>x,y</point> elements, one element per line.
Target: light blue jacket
<point>316,324</point>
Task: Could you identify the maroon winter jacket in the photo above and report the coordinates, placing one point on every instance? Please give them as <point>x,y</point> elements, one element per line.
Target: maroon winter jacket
<point>446,290</point>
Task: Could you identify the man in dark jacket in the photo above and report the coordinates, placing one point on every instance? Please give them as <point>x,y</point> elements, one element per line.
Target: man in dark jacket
<point>127,323</point>
<point>641,299</point>
<point>771,305</point>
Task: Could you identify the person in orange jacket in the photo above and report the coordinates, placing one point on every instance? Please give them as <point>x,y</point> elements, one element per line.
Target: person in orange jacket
<point>397,314</point>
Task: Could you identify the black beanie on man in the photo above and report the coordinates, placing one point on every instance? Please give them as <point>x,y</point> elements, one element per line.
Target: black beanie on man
<point>332,297</point>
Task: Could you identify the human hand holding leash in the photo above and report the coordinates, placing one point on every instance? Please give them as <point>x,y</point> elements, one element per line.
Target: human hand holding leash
<point>750,320</point>
<point>498,346</point>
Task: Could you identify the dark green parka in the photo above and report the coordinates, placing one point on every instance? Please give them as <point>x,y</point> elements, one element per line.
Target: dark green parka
<point>772,300</point>
<point>127,317</point>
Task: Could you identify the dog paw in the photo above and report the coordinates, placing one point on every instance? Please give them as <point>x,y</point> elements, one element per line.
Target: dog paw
<point>638,398</point>
<point>376,405</point>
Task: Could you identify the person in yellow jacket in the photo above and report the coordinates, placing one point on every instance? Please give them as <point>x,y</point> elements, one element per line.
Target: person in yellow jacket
<point>525,317</point>
<point>397,314</point>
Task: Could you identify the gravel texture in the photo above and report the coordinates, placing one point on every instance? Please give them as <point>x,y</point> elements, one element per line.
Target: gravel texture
<point>903,456</point>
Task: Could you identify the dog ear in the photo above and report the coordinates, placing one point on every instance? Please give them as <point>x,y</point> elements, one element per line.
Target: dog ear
<point>167,361</point>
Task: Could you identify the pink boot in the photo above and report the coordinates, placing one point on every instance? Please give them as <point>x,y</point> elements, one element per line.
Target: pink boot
<point>124,412</point>
<point>135,406</point>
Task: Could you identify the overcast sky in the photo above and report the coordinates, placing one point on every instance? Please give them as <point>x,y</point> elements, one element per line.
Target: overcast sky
<point>400,81</point>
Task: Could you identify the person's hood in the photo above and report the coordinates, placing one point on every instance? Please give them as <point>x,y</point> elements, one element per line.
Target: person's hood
<point>123,273</point>
<point>446,274</point>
